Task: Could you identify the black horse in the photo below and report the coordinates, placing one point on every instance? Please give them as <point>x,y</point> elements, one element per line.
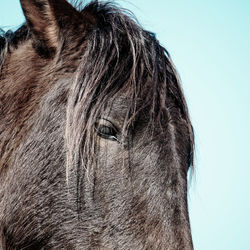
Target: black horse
<point>95,135</point>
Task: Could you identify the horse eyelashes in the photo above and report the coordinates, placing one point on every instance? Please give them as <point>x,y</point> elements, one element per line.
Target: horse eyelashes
<point>106,132</point>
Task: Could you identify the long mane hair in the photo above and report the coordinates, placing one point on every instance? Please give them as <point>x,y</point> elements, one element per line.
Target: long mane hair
<point>120,57</point>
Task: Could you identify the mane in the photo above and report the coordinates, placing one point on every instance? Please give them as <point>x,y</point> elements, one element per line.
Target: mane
<point>121,57</point>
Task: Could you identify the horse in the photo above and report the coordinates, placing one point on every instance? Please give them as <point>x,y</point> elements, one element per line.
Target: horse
<point>95,135</point>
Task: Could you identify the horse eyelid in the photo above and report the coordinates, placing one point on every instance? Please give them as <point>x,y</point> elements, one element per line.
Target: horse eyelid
<point>107,136</point>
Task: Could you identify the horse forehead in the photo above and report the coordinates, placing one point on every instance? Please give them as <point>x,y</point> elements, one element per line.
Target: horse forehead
<point>119,106</point>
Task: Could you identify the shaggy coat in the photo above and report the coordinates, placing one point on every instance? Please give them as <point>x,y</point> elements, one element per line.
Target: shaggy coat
<point>95,135</point>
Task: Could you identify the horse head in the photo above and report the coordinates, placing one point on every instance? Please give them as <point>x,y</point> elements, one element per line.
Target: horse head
<point>96,139</point>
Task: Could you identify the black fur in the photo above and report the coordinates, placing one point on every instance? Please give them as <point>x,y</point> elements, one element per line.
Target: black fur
<point>65,183</point>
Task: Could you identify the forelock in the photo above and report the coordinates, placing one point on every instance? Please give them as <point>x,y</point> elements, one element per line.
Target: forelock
<point>120,57</point>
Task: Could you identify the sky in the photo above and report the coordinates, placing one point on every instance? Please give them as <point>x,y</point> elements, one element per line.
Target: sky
<point>209,42</point>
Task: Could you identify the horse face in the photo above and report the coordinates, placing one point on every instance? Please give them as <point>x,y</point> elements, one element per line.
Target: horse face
<point>140,181</point>
<point>117,178</point>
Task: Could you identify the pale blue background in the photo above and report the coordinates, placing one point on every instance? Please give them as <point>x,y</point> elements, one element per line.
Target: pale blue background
<point>209,42</point>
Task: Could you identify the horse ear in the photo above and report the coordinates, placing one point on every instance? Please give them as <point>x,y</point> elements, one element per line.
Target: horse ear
<point>46,19</point>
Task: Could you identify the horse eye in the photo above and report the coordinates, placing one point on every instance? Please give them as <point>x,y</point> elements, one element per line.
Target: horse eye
<point>106,131</point>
